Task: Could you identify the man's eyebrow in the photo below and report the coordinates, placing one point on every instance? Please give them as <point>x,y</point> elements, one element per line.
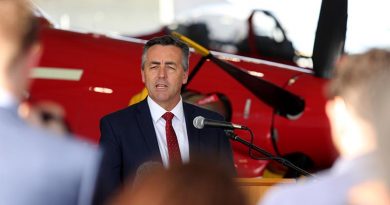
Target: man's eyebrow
<point>155,63</point>
<point>170,63</point>
<point>159,63</point>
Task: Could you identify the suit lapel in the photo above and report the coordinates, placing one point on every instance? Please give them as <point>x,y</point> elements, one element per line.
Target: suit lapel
<point>145,124</point>
<point>192,132</point>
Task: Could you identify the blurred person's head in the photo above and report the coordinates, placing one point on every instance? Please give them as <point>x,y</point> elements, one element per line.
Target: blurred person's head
<point>19,50</point>
<point>353,94</point>
<point>383,130</point>
<point>377,190</point>
<point>359,113</point>
<point>191,184</point>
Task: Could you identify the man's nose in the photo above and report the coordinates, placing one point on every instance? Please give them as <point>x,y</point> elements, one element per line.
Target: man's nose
<point>162,72</point>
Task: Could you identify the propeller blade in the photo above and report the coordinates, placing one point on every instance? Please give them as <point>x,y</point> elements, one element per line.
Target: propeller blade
<point>284,102</point>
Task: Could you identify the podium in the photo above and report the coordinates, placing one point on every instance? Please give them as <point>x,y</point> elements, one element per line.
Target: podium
<point>255,188</point>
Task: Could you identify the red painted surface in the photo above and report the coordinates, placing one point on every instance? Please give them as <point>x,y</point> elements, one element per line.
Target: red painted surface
<point>115,64</point>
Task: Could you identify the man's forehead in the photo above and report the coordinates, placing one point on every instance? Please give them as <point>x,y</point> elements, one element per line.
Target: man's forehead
<point>164,47</point>
<point>162,52</point>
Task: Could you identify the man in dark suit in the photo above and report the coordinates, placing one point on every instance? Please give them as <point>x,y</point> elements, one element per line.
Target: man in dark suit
<point>143,132</point>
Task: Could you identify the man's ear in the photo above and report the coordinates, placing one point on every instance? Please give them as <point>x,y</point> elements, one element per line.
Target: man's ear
<point>143,75</point>
<point>185,77</point>
<point>329,109</point>
<point>33,56</point>
<point>336,109</point>
<point>337,113</point>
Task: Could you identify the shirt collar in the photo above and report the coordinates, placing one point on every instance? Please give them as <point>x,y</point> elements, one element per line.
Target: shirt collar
<point>157,111</point>
<point>7,100</point>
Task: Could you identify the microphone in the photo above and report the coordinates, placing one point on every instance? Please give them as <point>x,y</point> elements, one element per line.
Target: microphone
<point>200,122</point>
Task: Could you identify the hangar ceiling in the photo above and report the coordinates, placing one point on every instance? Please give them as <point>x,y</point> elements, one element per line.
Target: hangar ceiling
<point>368,24</point>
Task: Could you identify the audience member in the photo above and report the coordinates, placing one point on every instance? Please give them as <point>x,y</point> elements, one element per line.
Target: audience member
<point>352,111</point>
<point>35,167</point>
<point>195,183</point>
<point>376,191</point>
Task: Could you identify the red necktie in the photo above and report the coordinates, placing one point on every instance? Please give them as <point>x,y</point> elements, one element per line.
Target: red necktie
<point>173,145</point>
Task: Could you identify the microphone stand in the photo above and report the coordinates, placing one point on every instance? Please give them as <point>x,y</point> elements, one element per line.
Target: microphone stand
<point>280,160</point>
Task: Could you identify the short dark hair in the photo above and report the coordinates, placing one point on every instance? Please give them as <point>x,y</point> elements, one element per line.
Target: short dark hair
<point>361,79</point>
<point>166,41</point>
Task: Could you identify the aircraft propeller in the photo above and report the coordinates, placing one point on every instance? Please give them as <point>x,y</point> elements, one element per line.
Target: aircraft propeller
<point>285,103</point>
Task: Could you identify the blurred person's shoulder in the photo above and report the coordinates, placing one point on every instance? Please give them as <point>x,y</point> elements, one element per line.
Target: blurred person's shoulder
<point>74,146</point>
<point>41,144</point>
<point>63,168</point>
<point>329,187</point>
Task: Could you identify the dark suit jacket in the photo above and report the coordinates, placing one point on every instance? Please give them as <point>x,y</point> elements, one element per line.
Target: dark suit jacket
<point>128,139</point>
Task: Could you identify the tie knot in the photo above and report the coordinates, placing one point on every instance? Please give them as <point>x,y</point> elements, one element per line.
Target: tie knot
<point>168,116</point>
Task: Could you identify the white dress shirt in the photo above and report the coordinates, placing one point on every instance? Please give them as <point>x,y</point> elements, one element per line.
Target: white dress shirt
<point>179,125</point>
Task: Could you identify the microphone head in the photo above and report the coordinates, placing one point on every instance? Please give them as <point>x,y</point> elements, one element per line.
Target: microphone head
<point>198,122</point>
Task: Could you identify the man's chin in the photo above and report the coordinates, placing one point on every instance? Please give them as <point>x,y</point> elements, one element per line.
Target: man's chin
<point>164,100</point>
<point>160,98</point>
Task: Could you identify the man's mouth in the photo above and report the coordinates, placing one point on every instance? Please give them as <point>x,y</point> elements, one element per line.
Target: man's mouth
<point>161,86</point>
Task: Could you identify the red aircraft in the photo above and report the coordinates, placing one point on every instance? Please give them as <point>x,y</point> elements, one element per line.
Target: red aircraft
<point>262,44</point>
<point>92,75</point>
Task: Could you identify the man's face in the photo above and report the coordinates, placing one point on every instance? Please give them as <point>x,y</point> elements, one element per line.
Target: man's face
<point>164,75</point>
